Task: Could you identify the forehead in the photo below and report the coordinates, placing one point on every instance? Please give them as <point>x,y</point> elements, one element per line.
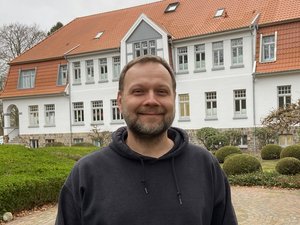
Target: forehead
<point>147,72</point>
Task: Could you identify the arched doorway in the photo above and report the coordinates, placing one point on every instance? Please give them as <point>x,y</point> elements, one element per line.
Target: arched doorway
<point>11,123</point>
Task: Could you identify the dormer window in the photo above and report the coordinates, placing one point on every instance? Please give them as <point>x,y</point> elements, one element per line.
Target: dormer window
<point>98,35</point>
<point>172,7</point>
<point>219,12</point>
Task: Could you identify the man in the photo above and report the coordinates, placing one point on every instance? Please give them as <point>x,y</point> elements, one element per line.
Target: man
<point>150,174</point>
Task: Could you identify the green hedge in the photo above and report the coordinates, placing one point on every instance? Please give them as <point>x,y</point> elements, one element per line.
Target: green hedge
<point>240,164</point>
<point>288,166</point>
<point>225,151</point>
<point>291,151</point>
<point>271,151</point>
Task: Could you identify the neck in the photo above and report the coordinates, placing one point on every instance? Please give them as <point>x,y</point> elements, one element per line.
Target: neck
<point>150,146</point>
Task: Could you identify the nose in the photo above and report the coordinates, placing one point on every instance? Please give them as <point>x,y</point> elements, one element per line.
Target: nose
<point>151,99</point>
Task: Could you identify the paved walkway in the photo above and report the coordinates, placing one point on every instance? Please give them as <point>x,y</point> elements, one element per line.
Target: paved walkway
<point>253,205</point>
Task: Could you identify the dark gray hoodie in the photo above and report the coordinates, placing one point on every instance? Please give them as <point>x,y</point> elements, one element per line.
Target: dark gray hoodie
<point>117,186</point>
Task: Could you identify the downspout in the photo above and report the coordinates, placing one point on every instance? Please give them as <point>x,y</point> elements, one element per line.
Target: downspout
<point>70,98</point>
<point>253,29</point>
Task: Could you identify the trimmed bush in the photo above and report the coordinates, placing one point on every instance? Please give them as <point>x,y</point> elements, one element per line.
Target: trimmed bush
<point>271,151</point>
<point>291,151</point>
<point>240,164</point>
<point>288,166</point>
<point>225,151</point>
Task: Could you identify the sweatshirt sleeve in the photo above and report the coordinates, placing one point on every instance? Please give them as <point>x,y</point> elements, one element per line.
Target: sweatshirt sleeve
<point>223,213</point>
<point>68,207</point>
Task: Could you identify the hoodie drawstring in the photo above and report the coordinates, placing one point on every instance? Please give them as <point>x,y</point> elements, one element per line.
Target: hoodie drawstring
<point>144,182</point>
<point>176,181</point>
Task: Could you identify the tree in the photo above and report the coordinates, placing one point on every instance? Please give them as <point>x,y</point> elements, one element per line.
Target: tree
<point>16,38</point>
<point>55,28</point>
<point>211,138</point>
<point>283,118</point>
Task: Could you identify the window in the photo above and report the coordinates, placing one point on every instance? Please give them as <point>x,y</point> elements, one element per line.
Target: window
<point>200,57</point>
<point>50,115</point>
<point>211,104</point>
<point>98,35</point>
<point>34,143</point>
<point>116,114</point>
<point>268,48</point>
<point>240,103</point>
<point>284,95</point>
<point>49,141</point>
<point>97,111</point>
<point>77,72</point>
<point>285,140</point>
<point>184,107</point>
<point>27,79</point>
<point>33,115</point>
<point>219,12</point>
<point>116,67</point>
<point>144,48</point>
<point>218,54</point>
<point>237,51</point>
<point>182,59</point>
<point>62,75</point>
<point>103,69</point>
<point>243,141</point>
<point>77,140</point>
<point>172,7</point>
<point>89,70</point>
<point>78,112</point>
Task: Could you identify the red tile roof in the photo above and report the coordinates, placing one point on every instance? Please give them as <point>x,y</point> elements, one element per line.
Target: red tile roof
<point>191,18</point>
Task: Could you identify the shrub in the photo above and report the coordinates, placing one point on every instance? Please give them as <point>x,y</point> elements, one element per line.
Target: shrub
<point>291,151</point>
<point>240,164</point>
<point>271,151</point>
<point>54,144</point>
<point>288,166</point>
<point>211,138</point>
<point>83,144</point>
<point>225,151</point>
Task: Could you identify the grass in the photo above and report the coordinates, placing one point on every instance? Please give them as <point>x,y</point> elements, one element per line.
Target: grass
<point>269,165</point>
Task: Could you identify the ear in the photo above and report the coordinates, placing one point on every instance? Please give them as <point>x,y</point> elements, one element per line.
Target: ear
<point>119,100</point>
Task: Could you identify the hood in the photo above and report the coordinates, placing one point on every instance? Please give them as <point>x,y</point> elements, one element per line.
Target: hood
<point>118,144</point>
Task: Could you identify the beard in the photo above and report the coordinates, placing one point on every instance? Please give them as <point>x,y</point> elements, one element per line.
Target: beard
<point>149,129</point>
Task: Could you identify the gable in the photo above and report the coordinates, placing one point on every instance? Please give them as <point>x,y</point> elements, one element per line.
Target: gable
<point>143,32</point>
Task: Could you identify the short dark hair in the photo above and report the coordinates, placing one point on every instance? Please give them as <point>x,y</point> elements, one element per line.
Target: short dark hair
<point>146,59</point>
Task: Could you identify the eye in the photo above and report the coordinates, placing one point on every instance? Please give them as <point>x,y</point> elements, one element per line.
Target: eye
<point>137,91</point>
<point>162,92</point>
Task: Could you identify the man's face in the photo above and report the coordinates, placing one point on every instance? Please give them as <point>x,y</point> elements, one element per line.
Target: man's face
<point>147,100</point>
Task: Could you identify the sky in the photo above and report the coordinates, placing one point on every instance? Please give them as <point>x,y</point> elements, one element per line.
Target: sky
<point>46,13</point>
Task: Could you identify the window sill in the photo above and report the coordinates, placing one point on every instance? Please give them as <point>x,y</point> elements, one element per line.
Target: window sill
<point>117,122</point>
<point>199,70</point>
<point>115,79</point>
<point>33,126</point>
<point>184,120</point>
<point>97,123</point>
<point>237,66</point>
<point>182,72</point>
<point>240,117</point>
<point>90,82</point>
<point>50,125</point>
<point>75,84</point>
<point>210,118</point>
<point>218,68</point>
<point>267,61</point>
<point>103,81</point>
<point>78,124</point>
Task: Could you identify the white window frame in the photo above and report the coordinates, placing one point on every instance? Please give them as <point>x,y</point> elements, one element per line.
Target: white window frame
<point>182,59</point>
<point>62,75</point>
<point>27,79</point>
<point>103,70</point>
<point>147,47</point>
<point>89,64</point>
<point>78,112</point>
<point>211,105</point>
<point>271,46</point>
<point>184,107</point>
<point>284,94</point>
<point>49,114</point>
<point>33,115</point>
<point>237,48</point>
<point>200,57</point>
<point>116,67</point>
<point>116,115</point>
<point>218,54</point>
<point>97,111</point>
<point>240,103</point>
<point>76,72</point>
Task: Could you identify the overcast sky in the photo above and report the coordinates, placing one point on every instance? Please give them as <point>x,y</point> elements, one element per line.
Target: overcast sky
<point>46,13</point>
